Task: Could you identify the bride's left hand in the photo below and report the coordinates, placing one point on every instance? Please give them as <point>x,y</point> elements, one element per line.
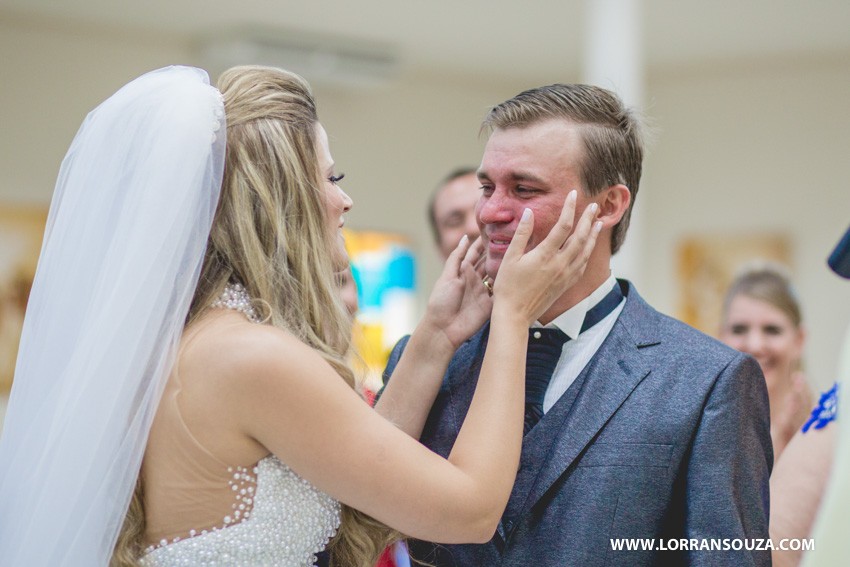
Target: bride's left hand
<point>460,302</point>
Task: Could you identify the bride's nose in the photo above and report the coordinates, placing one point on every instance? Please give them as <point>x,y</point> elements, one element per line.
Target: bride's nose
<point>347,202</point>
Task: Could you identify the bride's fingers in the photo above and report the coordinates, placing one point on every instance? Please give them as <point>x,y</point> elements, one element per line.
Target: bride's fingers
<point>453,262</point>
<point>522,234</point>
<point>473,267</point>
<point>481,278</point>
<point>479,264</point>
<point>577,244</point>
<point>473,254</point>
<point>481,267</point>
<point>589,243</point>
<point>560,232</point>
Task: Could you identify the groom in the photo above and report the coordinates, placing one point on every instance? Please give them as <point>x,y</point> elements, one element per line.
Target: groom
<point>641,432</point>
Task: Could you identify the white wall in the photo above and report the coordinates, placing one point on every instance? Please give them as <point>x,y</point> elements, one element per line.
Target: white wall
<point>739,148</point>
<point>751,148</point>
<point>51,76</point>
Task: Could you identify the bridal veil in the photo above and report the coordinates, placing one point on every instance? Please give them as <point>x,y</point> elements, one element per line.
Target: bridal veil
<point>122,251</point>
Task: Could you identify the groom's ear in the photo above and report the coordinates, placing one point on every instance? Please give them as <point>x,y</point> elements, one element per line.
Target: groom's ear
<point>613,204</point>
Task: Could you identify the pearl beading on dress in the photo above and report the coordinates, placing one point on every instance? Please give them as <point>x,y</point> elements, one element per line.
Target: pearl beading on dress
<point>236,297</point>
<point>243,485</point>
<point>290,522</point>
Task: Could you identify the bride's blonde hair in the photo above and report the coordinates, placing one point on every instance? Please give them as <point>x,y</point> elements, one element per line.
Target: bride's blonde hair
<point>270,234</point>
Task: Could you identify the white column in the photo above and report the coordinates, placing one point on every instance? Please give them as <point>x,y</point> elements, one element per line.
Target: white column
<point>613,59</point>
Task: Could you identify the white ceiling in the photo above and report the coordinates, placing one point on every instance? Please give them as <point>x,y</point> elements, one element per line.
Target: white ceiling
<point>535,40</point>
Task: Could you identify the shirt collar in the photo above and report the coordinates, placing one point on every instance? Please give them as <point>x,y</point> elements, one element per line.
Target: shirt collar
<point>571,320</point>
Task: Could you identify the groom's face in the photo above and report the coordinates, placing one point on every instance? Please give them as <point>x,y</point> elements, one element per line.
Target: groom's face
<point>534,166</point>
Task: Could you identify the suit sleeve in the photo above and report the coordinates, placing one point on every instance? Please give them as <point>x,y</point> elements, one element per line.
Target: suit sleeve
<point>727,481</point>
<point>394,357</point>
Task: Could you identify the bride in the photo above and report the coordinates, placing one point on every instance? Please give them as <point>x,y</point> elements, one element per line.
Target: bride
<point>181,395</point>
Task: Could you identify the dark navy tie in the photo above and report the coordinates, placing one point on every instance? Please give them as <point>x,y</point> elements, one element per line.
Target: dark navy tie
<point>544,350</point>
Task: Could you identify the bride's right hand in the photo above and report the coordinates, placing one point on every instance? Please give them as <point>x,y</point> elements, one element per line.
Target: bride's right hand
<point>529,282</point>
<point>459,304</point>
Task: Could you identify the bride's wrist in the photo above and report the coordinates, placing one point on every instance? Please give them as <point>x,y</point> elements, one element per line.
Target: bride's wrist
<point>433,339</point>
<point>504,314</point>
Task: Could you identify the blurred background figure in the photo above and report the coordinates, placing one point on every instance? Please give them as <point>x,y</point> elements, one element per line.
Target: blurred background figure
<point>452,209</point>
<point>348,290</point>
<point>762,317</point>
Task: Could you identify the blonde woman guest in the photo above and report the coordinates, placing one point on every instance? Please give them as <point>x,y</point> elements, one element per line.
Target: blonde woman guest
<point>348,290</point>
<point>762,317</point>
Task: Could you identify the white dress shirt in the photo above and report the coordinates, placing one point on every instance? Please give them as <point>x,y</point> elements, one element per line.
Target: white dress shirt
<point>578,351</point>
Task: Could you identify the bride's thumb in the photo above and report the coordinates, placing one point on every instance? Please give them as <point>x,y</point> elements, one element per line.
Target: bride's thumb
<point>452,266</point>
<point>521,235</point>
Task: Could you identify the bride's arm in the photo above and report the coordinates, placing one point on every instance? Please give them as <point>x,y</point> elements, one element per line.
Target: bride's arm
<point>291,402</point>
<point>457,308</point>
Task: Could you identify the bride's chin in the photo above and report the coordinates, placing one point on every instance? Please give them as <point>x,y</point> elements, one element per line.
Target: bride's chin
<point>340,257</point>
<point>340,260</point>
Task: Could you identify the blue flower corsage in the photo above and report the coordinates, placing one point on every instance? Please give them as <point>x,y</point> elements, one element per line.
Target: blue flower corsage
<point>825,411</point>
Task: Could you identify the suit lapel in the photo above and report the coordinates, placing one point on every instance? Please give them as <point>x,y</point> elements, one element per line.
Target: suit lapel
<point>603,386</point>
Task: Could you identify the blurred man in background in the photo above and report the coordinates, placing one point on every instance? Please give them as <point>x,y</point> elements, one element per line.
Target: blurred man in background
<point>452,210</point>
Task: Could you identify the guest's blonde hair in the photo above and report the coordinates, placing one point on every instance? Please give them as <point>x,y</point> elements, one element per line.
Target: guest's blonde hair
<point>769,282</point>
<point>270,235</point>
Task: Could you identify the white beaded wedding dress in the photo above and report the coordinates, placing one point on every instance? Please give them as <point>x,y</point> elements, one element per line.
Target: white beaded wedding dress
<point>288,522</point>
<point>202,511</point>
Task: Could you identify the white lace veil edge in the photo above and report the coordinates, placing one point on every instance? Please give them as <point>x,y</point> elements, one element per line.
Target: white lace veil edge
<point>123,248</point>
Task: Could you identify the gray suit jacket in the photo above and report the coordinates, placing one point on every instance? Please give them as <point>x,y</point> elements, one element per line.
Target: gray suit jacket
<point>663,436</point>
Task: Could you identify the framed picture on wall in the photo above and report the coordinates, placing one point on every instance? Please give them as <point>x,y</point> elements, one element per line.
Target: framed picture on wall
<point>707,264</point>
<point>21,231</point>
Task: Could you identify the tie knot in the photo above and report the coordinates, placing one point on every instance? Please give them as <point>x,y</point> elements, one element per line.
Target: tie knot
<point>544,350</point>
<point>543,338</point>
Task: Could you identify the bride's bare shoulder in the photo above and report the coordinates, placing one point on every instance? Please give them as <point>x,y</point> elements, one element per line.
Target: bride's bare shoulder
<point>224,344</point>
<point>226,368</point>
